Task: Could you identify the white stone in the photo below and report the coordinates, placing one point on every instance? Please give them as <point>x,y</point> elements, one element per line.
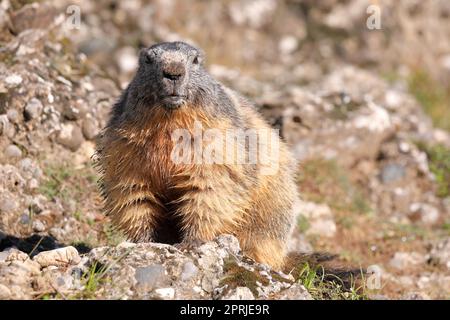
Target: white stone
<point>240,293</point>
<point>165,293</point>
<point>13,80</point>
<point>58,257</point>
<point>288,44</point>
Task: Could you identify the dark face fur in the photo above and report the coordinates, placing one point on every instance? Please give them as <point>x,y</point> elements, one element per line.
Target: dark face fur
<point>171,73</point>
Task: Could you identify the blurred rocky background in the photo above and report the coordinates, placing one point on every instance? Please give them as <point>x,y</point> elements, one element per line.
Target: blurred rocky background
<point>366,112</point>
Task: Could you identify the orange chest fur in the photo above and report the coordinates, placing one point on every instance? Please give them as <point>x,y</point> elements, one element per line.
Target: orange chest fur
<point>141,153</point>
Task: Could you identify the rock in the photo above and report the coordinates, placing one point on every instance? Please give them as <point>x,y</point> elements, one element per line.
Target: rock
<point>287,45</point>
<point>5,293</point>
<point>25,218</point>
<point>38,226</point>
<point>7,205</point>
<point>33,109</point>
<point>70,136</point>
<point>89,128</point>
<point>319,216</point>
<point>13,254</point>
<point>13,115</point>
<point>229,242</point>
<point>428,214</point>
<point>84,154</point>
<point>4,123</point>
<point>402,260</point>
<point>13,151</point>
<point>165,293</point>
<point>295,292</point>
<point>29,168</point>
<point>415,296</point>
<point>254,13</point>
<point>189,271</point>
<point>71,112</point>
<point>13,80</point>
<point>127,59</point>
<point>392,172</point>
<point>299,243</point>
<point>33,184</point>
<point>32,16</point>
<point>150,277</point>
<point>440,252</point>
<point>240,293</point>
<point>58,257</point>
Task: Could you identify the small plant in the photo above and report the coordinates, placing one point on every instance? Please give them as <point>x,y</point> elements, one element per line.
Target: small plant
<point>439,163</point>
<point>323,281</point>
<point>92,278</point>
<point>53,186</point>
<point>325,181</point>
<point>65,182</point>
<point>113,236</point>
<point>96,275</point>
<point>303,224</point>
<point>309,277</point>
<point>434,97</point>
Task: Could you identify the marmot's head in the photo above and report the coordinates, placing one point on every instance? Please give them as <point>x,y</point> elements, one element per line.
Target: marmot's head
<point>171,74</point>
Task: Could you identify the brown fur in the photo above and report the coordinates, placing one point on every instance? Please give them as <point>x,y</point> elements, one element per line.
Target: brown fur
<point>149,197</point>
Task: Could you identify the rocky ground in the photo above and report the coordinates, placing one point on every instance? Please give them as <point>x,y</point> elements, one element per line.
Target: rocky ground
<point>367,124</point>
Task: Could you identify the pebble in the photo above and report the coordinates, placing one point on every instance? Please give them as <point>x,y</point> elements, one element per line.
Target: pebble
<point>150,277</point>
<point>240,293</point>
<point>38,226</point>
<point>70,136</point>
<point>89,128</point>
<point>296,292</point>
<point>33,109</point>
<point>165,293</point>
<point>25,218</point>
<point>12,115</point>
<point>402,260</point>
<point>189,271</point>
<point>392,172</point>
<point>127,59</point>
<point>58,257</point>
<point>5,293</point>
<point>13,80</point>
<point>7,205</point>
<point>13,151</point>
<point>428,214</point>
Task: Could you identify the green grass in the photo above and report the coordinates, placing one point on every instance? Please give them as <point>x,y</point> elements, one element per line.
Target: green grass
<point>325,181</point>
<point>96,275</point>
<point>65,182</point>
<point>439,163</point>
<point>446,227</point>
<point>317,281</point>
<point>92,279</point>
<point>303,223</point>
<point>433,96</point>
<point>53,185</point>
<point>113,236</point>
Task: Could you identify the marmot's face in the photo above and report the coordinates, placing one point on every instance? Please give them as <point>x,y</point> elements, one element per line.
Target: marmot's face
<point>172,72</point>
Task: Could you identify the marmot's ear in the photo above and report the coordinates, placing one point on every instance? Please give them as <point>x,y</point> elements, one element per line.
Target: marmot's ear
<point>201,56</point>
<point>143,52</point>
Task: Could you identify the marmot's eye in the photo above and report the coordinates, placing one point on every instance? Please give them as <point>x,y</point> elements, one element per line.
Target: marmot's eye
<point>195,61</point>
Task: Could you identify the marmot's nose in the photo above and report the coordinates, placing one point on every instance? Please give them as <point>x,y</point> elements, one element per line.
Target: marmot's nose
<point>174,71</point>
